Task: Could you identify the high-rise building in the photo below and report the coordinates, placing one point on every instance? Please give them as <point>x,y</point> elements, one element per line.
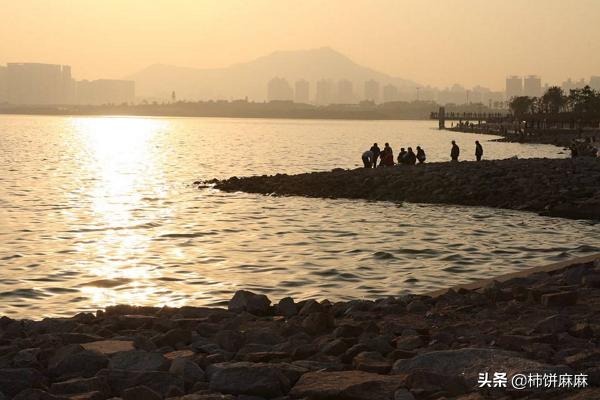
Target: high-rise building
<point>390,93</point>
<point>372,91</point>
<point>278,89</point>
<point>302,91</point>
<point>32,83</point>
<point>532,86</point>
<point>514,86</point>
<point>595,82</point>
<point>345,93</point>
<point>3,85</point>
<point>324,92</point>
<point>105,91</point>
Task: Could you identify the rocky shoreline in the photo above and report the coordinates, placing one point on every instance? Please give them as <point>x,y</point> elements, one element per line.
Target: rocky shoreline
<point>402,348</point>
<point>555,187</point>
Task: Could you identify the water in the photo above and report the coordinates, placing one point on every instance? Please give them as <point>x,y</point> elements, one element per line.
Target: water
<point>98,211</point>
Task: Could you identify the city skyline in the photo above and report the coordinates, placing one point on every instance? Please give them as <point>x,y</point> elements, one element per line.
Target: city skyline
<point>477,41</point>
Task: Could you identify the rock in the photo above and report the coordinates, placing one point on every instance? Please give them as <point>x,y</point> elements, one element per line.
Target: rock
<point>173,337</point>
<point>335,347</point>
<point>229,340</point>
<point>243,300</point>
<point>428,382</point>
<point>173,355</point>
<point>27,358</point>
<point>403,394</point>
<point>109,347</point>
<point>554,324</point>
<point>138,360</point>
<point>468,362</point>
<point>592,281</point>
<point>409,343</point>
<point>416,306</point>
<point>140,393</point>
<point>371,361</point>
<point>560,299</point>
<point>355,385</point>
<point>72,363</point>
<point>584,359</point>
<point>311,306</point>
<point>286,307</point>
<point>88,396</point>
<point>249,379</point>
<point>81,385</point>
<point>188,370</point>
<point>318,323</point>
<point>37,394</point>
<point>159,381</point>
<point>347,331</point>
<point>15,380</point>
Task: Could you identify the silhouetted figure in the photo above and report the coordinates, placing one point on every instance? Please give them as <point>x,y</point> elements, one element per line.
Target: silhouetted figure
<point>401,155</point>
<point>455,152</point>
<point>478,150</point>
<point>410,158</point>
<point>376,152</point>
<point>421,155</point>
<point>367,158</point>
<point>387,156</point>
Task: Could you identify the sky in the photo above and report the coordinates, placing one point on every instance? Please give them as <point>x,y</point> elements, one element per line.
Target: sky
<point>435,42</point>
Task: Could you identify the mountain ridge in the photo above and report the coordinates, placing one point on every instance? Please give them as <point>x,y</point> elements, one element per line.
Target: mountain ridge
<point>250,78</point>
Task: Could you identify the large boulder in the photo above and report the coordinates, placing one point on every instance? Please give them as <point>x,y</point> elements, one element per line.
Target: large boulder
<point>159,381</point>
<point>15,380</point>
<point>350,385</point>
<point>245,378</point>
<point>138,360</point>
<point>109,347</point>
<point>73,361</point>
<point>81,385</point>
<point>243,300</point>
<point>468,362</point>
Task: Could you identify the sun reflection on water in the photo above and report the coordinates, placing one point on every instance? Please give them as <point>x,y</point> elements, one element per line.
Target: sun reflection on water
<point>121,153</point>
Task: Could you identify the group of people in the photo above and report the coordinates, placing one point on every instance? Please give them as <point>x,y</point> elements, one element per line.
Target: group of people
<point>408,156</point>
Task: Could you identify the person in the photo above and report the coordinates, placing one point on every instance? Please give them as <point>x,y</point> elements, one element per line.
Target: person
<point>376,152</point>
<point>387,156</point>
<point>455,152</point>
<point>478,150</point>
<point>410,158</point>
<point>421,155</point>
<point>367,158</point>
<point>401,155</point>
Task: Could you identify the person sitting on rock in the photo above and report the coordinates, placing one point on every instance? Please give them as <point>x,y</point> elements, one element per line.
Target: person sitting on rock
<point>455,152</point>
<point>387,157</point>
<point>478,150</point>
<point>421,155</point>
<point>376,152</point>
<point>410,158</point>
<point>367,158</point>
<point>401,156</point>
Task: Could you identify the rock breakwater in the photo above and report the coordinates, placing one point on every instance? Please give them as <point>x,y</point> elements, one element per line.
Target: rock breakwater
<point>410,347</point>
<point>556,187</point>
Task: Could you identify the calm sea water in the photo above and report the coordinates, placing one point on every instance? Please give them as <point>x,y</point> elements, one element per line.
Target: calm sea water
<point>97,211</point>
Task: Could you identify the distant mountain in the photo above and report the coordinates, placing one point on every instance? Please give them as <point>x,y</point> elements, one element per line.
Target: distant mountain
<point>250,79</point>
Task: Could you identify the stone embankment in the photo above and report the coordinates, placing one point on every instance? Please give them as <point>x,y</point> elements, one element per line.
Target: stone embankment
<point>556,187</point>
<point>410,347</point>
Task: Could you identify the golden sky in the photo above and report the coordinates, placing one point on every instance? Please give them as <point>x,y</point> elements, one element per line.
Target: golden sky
<point>437,42</point>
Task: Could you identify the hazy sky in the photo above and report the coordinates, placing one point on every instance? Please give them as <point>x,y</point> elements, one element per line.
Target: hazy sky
<point>437,42</point>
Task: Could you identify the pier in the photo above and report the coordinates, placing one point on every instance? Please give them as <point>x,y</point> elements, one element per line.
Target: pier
<point>442,117</point>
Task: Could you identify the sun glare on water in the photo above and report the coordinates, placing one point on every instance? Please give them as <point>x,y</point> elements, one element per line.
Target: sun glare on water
<point>121,152</point>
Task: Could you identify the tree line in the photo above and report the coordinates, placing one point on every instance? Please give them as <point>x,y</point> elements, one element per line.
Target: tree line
<point>581,101</point>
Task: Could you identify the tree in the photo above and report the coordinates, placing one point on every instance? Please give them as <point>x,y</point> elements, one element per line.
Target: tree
<point>521,105</point>
<point>553,101</point>
<point>585,100</point>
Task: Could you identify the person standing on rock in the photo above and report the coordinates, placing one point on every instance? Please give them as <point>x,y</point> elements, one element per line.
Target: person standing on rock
<point>455,152</point>
<point>368,158</point>
<point>478,150</point>
<point>421,155</point>
<point>376,152</point>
